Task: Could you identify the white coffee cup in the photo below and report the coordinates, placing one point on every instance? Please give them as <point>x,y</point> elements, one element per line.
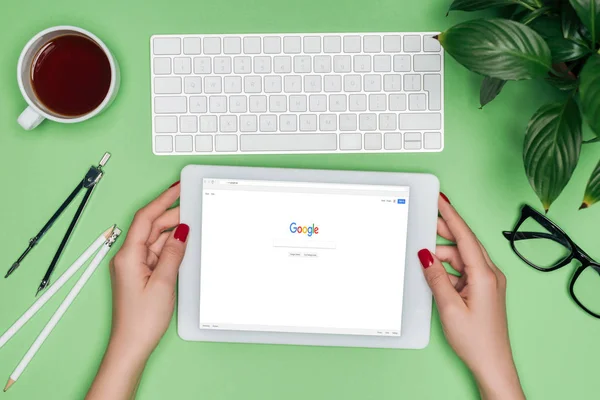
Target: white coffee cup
<point>37,111</point>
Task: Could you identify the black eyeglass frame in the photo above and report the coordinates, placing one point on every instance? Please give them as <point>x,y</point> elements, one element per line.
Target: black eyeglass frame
<point>558,235</point>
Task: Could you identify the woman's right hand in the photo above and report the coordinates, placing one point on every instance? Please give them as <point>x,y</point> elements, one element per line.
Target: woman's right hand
<point>472,307</point>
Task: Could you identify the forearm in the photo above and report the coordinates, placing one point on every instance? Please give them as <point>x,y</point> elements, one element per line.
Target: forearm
<point>500,383</point>
<point>119,374</point>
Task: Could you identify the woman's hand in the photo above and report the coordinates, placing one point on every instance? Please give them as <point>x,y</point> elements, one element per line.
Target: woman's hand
<point>472,307</point>
<point>144,275</point>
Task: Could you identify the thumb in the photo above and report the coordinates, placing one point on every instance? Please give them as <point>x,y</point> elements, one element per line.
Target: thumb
<point>437,278</point>
<point>171,256</point>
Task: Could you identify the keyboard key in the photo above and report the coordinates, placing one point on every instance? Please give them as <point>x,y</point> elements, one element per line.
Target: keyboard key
<point>302,64</point>
<point>351,44</point>
<point>322,64</point>
<point>188,124</point>
<point>182,65</point>
<point>217,104</point>
<point>238,104</point>
<point>228,123</point>
<point>327,122</point>
<point>248,123</point>
<point>428,121</point>
<point>258,104</point>
<point>288,123</point>
<point>412,83</point>
<point>347,122</point>
<point>165,124</point>
<point>204,143</point>
<point>202,65</point>
<point>208,123</point>
<point>252,45</point>
<point>392,43</point>
<point>412,140</point>
<point>317,102</point>
<point>272,45</point>
<point>226,142</point>
<point>163,144</point>
<point>377,102</point>
<point>332,44</point>
<point>332,83</point>
<point>387,122</point>
<point>184,143</point>
<point>430,44</point>
<point>268,123</point>
<point>232,84</point>
<point>372,43</point>
<point>262,65</point>
<point>412,43</point>
<point>433,84</point>
<point>242,65</point>
<point>362,63</point>
<point>372,83</point>
<point>358,102</point>
<point>192,46</point>
<point>213,84</point>
<point>170,105</point>
<point>392,83</point>
<point>298,103</point>
<point>232,45</point>
<point>417,102</point>
<point>273,84</point>
<point>312,83</point>
<point>427,63</point>
<point>162,66</point>
<point>292,83</point>
<point>352,83</point>
<point>282,64</point>
<point>193,84</point>
<point>367,122</point>
<point>277,103</point>
<point>432,140</point>
<point>312,44</point>
<point>392,141</point>
<point>198,104</point>
<point>292,44</point>
<point>401,63</point>
<point>350,141</point>
<point>289,142</point>
<point>372,141</point>
<point>342,64</point>
<point>397,102</point>
<point>166,46</point>
<point>382,63</point>
<point>337,102</point>
<point>252,84</point>
<point>212,45</point>
<point>171,85</point>
<point>222,65</point>
<point>308,122</point>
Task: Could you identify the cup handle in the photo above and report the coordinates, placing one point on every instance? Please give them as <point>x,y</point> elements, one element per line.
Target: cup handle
<point>29,119</point>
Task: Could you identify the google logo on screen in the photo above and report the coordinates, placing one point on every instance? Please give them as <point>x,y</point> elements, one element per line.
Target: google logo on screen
<point>305,230</point>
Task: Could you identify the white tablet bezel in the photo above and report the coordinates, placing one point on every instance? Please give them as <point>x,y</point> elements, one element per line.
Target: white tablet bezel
<point>422,223</point>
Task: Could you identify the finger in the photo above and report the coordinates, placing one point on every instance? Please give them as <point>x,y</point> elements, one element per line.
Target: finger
<point>169,219</point>
<point>467,242</point>
<point>170,257</point>
<point>141,226</point>
<point>453,280</point>
<point>444,293</point>
<point>451,255</point>
<point>444,231</point>
<point>156,248</point>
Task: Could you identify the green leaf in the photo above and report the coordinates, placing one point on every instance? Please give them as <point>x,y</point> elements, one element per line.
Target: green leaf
<point>594,140</point>
<point>569,20</point>
<point>551,149</point>
<point>592,191</point>
<point>589,13</point>
<point>564,84</point>
<point>529,17</point>
<point>589,90</point>
<point>476,5</point>
<point>490,88</point>
<point>498,48</point>
<point>551,29</point>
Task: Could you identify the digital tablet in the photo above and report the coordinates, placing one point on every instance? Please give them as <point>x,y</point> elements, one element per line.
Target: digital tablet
<point>306,257</point>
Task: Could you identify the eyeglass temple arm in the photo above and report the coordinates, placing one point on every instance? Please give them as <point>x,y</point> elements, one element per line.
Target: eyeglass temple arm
<point>534,235</point>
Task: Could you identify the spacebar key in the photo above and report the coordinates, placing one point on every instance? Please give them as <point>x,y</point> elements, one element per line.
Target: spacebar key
<point>291,142</point>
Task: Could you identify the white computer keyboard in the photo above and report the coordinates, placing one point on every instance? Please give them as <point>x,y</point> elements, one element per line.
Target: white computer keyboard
<point>297,93</point>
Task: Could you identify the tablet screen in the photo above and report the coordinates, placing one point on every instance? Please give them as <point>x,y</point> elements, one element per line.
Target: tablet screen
<point>303,257</point>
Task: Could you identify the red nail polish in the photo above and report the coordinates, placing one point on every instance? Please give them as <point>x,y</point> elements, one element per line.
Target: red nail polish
<point>426,258</point>
<point>181,232</point>
<point>175,184</point>
<point>445,197</point>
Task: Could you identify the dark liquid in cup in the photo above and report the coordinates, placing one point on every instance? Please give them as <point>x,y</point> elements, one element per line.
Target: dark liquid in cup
<point>71,75</point>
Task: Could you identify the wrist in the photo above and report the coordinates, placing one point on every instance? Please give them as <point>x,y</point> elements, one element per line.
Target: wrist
<point>499,381</point>
<point>129,356</point>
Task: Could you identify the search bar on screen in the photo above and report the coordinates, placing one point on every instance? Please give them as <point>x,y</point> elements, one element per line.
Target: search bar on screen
<point>303,244</point>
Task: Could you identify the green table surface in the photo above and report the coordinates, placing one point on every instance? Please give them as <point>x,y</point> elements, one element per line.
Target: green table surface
<point>555,344</point>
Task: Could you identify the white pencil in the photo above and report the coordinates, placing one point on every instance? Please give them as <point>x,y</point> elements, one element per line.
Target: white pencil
<point>62,309</point>
<point>55,287</point>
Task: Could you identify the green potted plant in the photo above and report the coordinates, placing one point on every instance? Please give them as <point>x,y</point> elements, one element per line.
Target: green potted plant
<point>555,40</point>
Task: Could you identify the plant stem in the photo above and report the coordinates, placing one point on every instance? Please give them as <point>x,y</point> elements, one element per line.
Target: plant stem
<point>527,6</point>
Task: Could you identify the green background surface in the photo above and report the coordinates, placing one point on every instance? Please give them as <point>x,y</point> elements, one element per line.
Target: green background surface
<point>555,344</point>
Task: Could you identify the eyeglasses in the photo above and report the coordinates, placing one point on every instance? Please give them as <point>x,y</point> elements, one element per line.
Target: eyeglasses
<point>544,246</point>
